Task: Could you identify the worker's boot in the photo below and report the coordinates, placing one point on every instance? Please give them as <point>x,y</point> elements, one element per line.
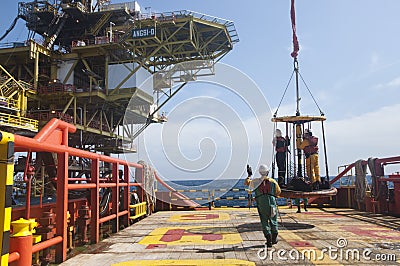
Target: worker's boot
<point>305,207</point>
<point>269,240</point>
<point>298,209</point>
<point>281,182</point>
<point>274,238</point>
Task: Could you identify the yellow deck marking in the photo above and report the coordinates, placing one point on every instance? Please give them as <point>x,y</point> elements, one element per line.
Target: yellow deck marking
<point>186,235</point>
<point>206,262</point>
<point>199,217</point>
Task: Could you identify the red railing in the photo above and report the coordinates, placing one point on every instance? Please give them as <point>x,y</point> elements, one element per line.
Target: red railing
<point>54,138</point>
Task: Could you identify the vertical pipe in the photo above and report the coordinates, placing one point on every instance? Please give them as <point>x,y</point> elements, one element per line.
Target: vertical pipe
<point>115,197</point>
<point>75,111</point>
<point>106,73</point>
<point>36,71</point>
<point>126,194</point>
<point>286,180</point>
<point>28,197</point>
<point>84,116</point>
<point>28,180</point>
<point>325,154</point>
<point>94,203</point>
<point>294,150</point>
<point>62,205</point>
<point>296,70</point>
<point>23,246</point>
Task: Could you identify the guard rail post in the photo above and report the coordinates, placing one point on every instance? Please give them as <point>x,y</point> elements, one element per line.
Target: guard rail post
<point>6,183</point>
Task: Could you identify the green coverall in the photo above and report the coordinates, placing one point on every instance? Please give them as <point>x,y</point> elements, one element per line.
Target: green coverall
<point>266,192</point>
<point>297,203</point>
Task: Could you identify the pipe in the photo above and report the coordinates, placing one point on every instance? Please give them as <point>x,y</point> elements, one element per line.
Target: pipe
<point>28,198</point>
<point>39,143</point>
<point>105,185</point>
<point>123,213</point>
<point>14,256</point>
<point>81,186</point>
<point>92,185</point>
<point>35,145</point>
<point>344,172</point>
<point>22,245</point>
<point>189,202</point>
<point>78,179</point>
<point>51,126</point>
<point>107,218</point>
<point>325,153</point>
<point>46,244</point>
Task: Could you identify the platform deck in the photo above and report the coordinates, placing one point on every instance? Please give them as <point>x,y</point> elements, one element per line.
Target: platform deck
<point>325,236</point>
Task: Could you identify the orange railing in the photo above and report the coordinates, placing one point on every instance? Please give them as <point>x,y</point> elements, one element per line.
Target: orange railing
<point>53,138</point>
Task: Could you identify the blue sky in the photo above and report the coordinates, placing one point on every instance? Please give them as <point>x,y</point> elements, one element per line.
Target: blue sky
<point>349,57</point>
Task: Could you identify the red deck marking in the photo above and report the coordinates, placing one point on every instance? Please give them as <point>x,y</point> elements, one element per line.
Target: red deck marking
<point>211,237</point>
<point>373,232</point>
<point>151,246</point>
<point>300,244</point>
<point>199,217</point>
<point>177,234</point>
<point>173,235</point>
<point>322,215</point>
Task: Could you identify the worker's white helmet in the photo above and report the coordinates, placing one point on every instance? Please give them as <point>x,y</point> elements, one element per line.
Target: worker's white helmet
<point>278,132</point>
<point>263,170</point>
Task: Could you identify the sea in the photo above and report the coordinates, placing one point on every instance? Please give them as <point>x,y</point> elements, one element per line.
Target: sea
<point>225,192</point>
<point>218,193</point>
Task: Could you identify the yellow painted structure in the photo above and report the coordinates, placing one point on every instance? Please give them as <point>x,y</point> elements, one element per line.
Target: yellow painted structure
<point>199,217</point>
<point>140,210</point>
<point>6,183</point>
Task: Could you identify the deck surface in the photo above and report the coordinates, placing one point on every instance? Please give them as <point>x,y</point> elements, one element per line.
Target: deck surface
<point>233,237</point>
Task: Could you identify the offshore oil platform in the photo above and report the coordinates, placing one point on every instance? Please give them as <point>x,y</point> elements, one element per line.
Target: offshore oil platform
<point>70,99</point>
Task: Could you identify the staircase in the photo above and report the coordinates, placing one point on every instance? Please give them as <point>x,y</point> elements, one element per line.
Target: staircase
<point>60,22</point>
<point>13,98</point>
<point>102,21</point>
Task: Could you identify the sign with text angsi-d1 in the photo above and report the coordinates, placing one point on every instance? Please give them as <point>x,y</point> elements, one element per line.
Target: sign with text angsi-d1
<point>143,33</point>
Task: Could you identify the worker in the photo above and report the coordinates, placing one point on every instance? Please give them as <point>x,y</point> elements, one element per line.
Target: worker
<point>309,145</point>
<point>266,190</point>
<point>281,147</point>
<point>250,188</point>
<point>297,201</point>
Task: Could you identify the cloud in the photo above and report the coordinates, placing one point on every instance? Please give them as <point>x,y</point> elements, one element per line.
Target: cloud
<point>394,83</point>
<point>374,63</point>
<point>373,134</point>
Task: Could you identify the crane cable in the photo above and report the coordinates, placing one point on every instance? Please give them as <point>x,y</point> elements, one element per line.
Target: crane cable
<point>10,28</point>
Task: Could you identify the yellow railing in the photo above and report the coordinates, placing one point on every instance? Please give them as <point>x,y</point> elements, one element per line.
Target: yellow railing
<point>9,103</point>
<point>140,210</point>
<point>18,122</point>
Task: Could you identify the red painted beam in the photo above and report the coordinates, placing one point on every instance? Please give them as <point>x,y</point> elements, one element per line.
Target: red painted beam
<point>14,256</point>
<point>107,218</point>
<point>94,200</point>
<point>46,244</point>
<point>62,205</point>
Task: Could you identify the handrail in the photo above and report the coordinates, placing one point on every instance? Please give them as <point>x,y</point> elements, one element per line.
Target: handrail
<point>344,172</point>
<point>179,195</point>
